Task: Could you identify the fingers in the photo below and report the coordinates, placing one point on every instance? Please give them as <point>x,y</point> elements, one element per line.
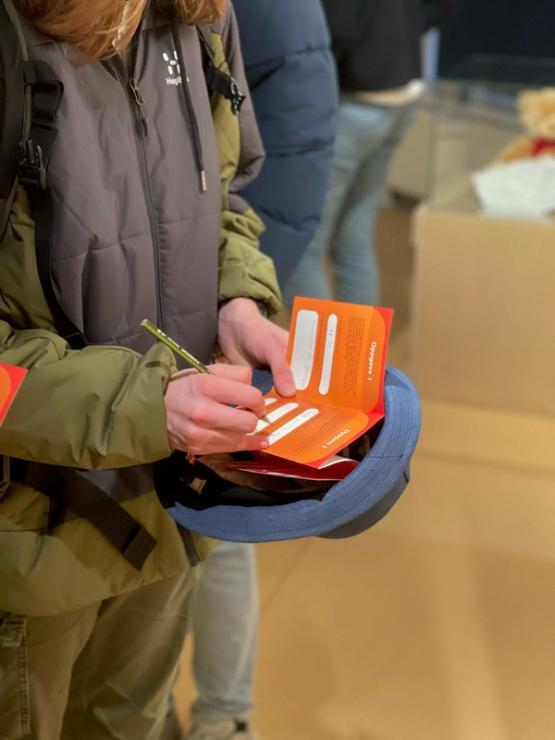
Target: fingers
<point>210,442</point>
<point>216,412</point>
<point>209,414</point>
<point>241,374</point>
<point>231,392</point>
<point>281,372</point>
<point>226,384</point>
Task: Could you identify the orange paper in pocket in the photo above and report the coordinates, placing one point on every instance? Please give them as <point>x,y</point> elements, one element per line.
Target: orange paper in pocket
<point>11,378</point>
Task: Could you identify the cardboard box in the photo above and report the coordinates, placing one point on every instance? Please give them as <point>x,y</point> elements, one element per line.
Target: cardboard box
<point>484,307</point>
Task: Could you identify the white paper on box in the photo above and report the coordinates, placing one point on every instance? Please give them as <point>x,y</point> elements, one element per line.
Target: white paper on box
<point>524,188</point>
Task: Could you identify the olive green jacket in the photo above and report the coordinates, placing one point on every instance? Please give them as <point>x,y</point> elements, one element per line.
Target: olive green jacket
<point>102,407</point>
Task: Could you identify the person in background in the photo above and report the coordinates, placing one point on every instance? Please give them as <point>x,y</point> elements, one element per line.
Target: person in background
<point>291,73</point>
<point>143,219</point>
<point>377,49</point>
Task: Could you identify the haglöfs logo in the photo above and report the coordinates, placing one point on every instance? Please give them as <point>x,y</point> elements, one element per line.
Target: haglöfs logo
<point>174,70</point>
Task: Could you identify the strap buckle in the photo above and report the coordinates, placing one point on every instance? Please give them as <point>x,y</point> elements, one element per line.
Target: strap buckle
<point>225,84</point>
<point>236,97</point>
<point>31,171</point>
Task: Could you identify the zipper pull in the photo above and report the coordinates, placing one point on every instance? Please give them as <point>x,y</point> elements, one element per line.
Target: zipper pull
<point>140,103</point>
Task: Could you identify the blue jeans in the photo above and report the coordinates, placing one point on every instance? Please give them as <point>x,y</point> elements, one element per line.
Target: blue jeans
<point>366,140</point>
<point>225,621</point>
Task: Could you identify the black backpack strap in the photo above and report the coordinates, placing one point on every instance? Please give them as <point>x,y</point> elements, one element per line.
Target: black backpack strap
<point>12,106</point>
<point>69,491</point>
<point>35,148</point>
<point>34,157</point>
<point>217,80</point>
<point>27,132</point>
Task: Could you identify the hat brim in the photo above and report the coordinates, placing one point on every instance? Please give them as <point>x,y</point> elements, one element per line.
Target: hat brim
<point>349,507</point>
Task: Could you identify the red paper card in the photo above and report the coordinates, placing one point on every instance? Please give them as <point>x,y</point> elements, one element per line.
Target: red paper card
<point>11,378</point>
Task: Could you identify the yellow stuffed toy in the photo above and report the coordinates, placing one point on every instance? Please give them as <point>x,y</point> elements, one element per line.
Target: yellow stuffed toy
<point>537,113</point>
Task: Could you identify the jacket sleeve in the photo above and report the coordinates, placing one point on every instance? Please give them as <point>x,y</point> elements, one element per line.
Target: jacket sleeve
<point>243,269</point>
<point>99,407</point>
<point>292,77</point>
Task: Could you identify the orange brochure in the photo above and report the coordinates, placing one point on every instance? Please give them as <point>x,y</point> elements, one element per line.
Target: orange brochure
<point>337,352</point>
<point>11,378</point>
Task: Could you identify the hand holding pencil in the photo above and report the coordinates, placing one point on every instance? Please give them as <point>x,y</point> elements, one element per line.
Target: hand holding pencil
<point>214,409</point>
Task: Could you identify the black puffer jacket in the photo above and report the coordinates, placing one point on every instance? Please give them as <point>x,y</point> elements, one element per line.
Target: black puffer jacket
<point>377,42</point>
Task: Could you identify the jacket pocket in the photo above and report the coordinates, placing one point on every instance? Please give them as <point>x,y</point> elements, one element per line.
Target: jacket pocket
<point>14,678</point>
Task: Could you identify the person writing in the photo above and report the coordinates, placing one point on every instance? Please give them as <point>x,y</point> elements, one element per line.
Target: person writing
<point>127,208</point>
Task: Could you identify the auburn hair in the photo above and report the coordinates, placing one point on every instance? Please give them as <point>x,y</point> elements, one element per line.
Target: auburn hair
<point>99,28</point>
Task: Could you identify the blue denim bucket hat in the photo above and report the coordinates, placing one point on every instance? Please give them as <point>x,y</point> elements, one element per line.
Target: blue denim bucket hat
<point>343,509</point>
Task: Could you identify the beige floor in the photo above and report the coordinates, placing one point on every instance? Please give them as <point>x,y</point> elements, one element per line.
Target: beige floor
<point>437,624</point>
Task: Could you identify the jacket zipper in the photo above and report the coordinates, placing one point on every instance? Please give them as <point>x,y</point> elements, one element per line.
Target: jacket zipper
<point>137,104</point>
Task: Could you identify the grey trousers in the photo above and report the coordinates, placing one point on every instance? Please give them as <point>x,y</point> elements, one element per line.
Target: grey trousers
<point>225,625</point>
<point>104,672</point>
